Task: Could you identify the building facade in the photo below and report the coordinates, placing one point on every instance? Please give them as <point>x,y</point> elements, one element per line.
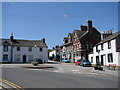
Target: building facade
<point>23,51</point>
<point>107,51</point>
<point>80,43</point>
<point>55,53</point>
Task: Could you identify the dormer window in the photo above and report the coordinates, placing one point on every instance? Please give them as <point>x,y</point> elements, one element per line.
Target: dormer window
<point>5,48</point>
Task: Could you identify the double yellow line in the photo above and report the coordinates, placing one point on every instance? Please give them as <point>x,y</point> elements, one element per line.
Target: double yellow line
<point>11,84</point>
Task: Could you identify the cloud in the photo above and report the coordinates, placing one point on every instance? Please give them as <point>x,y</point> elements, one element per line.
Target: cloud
<point>65,15</point>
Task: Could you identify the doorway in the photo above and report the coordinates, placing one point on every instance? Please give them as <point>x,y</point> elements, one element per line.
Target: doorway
<point>24,58</point>
<point>102,60</point>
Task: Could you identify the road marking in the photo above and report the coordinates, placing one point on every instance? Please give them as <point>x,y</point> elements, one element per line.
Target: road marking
<point>2,87</point>
<point>75,70</point>
<point>11,84</point>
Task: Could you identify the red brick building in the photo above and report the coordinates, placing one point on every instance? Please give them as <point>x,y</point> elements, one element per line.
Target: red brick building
<point>80,43</point>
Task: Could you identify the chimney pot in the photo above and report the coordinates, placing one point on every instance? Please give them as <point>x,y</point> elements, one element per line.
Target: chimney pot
<point>89,24</point>
<point>43,40</point>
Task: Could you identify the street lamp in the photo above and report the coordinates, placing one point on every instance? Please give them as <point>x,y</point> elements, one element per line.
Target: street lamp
<point>11,39</point>
<point>35,46</point>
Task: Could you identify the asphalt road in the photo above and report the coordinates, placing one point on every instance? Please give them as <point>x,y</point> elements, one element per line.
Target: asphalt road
<point>43,79</point>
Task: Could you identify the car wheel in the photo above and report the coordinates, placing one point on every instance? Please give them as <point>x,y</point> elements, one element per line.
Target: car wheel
<point>83,65</point>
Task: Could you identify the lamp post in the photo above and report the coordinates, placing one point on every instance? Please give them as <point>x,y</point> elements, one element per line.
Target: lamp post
<point>35,46</point>
<point>11,39</point>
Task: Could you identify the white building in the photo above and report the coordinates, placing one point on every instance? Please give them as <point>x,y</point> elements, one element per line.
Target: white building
<point>107,51</point>
<point>23,51</point>
<point>55,53</point>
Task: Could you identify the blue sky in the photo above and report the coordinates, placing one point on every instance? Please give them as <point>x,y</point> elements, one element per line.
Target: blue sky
<point>54,20</point>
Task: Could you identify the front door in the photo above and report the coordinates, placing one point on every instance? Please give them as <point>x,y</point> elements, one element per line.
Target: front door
<point>24,58</point>
<point>97,59</point>
<point>102,60</point>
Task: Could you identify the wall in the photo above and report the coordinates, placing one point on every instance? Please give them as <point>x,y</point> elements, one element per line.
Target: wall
<point>24,51</point>
<point>105,52</point>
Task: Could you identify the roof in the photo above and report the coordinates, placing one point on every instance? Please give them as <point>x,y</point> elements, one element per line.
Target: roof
<point>81,33</point>
<point>71,34</point>
<point>24,43</point>
<point>109,37</point>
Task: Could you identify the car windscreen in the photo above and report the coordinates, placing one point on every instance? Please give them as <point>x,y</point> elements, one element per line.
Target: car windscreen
<point>86,60</point>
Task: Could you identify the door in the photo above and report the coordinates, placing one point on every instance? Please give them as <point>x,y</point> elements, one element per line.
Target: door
<point>24,58</point>
<point>97,59</point>
<point>102,60</point>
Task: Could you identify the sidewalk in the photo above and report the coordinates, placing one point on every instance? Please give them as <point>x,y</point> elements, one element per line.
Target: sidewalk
<point>106,71</point>
<point>72,68</point>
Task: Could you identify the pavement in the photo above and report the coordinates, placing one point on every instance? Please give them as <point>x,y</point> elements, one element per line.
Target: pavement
<point>71,67</point>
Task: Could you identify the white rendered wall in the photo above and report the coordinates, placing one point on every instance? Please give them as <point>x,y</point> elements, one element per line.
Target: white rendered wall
<point>105,52</point>
<point>25,51</point>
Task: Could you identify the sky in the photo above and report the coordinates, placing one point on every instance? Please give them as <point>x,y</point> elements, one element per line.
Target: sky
<point>54,20</point>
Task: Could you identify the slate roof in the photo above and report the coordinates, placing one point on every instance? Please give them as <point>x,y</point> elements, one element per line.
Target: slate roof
<point>71,34</point>
<point>81,33</point>
<point>109,38</point>
<point>24,43</point>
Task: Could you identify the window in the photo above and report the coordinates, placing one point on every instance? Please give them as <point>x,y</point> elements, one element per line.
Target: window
<point>30,58</point>
<point>40,49</point>
<point>17,58</point>
<point>96,48</point>
<point>5,57</point>
<point>5,48</point>
<point>30,48</point>
<point>18,48</point>
<point>110,57</point>
<point>102,47</point>
<point>109,45</point>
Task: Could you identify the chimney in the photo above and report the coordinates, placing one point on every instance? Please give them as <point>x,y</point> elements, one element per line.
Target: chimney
<point>83,28</point>
<point>106,34</point>
<point>11,37</point>
<point>89,25</point>
<point>43,40</point>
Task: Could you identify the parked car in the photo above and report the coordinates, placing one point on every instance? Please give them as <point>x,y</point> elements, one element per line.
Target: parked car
<point>78,62</point>
<point>66,60</point>
<point>85,62</point>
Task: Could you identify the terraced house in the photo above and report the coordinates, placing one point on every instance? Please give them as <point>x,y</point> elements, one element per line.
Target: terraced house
<point>80,43</point>
<point>22,51</point>
<point>107,51</point>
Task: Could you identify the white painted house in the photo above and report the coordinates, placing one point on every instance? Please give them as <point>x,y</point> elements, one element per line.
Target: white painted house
<point>107,51</point>
<point>55,53</point>
<point>23,51</point>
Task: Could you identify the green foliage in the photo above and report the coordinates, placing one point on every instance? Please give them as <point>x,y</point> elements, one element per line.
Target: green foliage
<point>35,62</point>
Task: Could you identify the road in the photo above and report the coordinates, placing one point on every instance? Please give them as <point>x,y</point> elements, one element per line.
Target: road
<point>26,78</point>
